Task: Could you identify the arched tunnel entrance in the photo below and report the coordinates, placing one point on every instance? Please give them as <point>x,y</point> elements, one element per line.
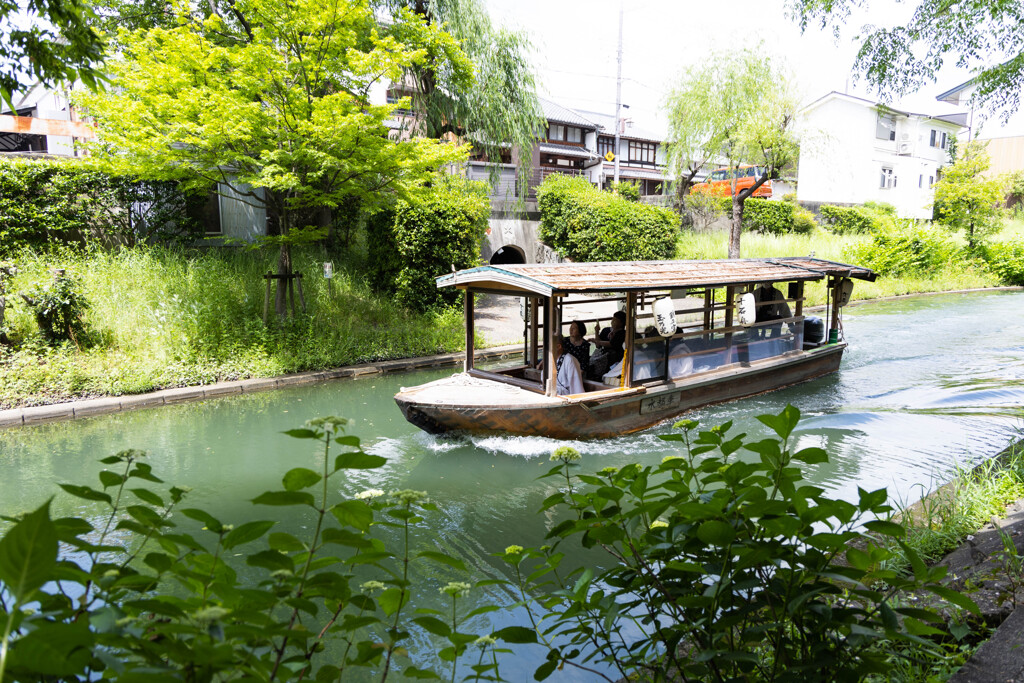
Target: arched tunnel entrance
<point>508,254</point>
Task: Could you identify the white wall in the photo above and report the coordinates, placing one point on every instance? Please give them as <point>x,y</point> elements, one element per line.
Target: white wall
<point>841,157</point>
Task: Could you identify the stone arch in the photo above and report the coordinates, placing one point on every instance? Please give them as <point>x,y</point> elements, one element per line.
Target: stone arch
<point>508,254</point>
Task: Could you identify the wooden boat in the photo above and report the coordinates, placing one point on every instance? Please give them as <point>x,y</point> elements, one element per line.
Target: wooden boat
<point>711,356</point>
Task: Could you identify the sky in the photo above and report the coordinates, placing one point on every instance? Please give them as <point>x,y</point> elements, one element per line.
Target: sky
<point>576,43</point>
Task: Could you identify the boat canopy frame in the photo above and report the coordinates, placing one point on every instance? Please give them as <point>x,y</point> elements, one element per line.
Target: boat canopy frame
<point>547,286</point>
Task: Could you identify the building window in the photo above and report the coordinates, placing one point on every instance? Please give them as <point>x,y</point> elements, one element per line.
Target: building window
<point>642,152</point>
<point>886,128</point>
<point>939,140</point>
<point>931,181</point>
<point>573,134</point>
<point>920,180</point>
<point>605,145</point>
<point>888,179</point>
<point>944,141</point>
<point>556,132</point>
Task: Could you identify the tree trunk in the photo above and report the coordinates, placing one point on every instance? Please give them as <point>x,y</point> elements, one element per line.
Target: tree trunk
<point>737,226</point>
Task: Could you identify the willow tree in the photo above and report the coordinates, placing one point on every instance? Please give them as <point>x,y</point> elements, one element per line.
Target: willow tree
<point>499,110</point>
<point>735,108</point>
<point>985,37</point>
<point>271,101</point>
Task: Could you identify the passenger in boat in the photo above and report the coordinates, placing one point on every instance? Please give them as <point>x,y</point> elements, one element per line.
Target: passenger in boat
<point>774,307</point>
<point>577,345</point>
<point>568,378</point>
<point>616,339</point>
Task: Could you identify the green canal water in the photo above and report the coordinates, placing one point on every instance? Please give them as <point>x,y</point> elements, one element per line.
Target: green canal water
<point>926,384</point>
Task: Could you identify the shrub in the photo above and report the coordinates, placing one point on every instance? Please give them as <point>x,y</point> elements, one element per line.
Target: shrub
<point>58,307</point>
<point>1006,259</point>
<point>905,250</point>
<point>627,190</point>
<point>726,569</point>
<point>771,217</point>
<point>803,220</point>
<point>767,217</point>
<point>44,203</point>
<point>702,209</point>
<point>847,220</point>
<point>721,569</point>
<point>584,224</point>
<point>425,237</point>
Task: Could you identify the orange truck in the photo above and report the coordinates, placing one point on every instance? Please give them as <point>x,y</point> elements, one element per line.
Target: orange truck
<point>719,182</point>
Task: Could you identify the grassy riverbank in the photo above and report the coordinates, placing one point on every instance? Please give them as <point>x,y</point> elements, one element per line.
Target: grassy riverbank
<point>162,318</point>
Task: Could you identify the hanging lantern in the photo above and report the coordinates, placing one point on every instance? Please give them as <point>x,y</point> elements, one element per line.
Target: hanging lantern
<point>665,316</point>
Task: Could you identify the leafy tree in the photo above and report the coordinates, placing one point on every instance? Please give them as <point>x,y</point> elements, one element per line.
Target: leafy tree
<point>272,102</point>
<point>496,109</point>
<point>984,36</point>
<point>734,106</point>
<point>967,201</point>
<point>52,43</point>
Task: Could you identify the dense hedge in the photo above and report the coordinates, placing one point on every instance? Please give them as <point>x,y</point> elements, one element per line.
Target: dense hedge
<point>585,224</point>
<point>866,218</point>
<point>46,202</point>
<point>425,237</point>
<point>772,217</point>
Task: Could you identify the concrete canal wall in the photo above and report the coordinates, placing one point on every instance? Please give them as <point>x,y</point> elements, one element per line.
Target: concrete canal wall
<point>115,404</point>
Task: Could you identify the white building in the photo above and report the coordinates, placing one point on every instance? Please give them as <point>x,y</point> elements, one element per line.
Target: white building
<point>854,150</point>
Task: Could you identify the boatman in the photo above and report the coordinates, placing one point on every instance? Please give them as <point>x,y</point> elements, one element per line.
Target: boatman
<point>568,378</point>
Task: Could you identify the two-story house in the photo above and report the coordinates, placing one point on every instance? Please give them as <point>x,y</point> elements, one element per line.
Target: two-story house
<point>581,143</point>
<point>854,150</point>
<point>567,144</point>
<point>641,154</point>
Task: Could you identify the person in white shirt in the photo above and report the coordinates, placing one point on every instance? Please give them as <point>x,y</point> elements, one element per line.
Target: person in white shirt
<point>568,377</point>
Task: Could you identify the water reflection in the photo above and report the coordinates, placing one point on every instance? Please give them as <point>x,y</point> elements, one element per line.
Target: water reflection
<point>926,384</point>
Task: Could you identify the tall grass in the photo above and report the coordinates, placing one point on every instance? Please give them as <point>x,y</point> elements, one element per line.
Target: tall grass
<point>940,521</point>
<point>163,317</point>
<point>715,244</point>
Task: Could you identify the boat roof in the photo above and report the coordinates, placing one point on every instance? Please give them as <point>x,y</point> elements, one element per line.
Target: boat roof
<point>621,276</point>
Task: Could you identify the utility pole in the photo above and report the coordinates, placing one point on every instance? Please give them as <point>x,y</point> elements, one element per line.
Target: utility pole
<point>618,99</point>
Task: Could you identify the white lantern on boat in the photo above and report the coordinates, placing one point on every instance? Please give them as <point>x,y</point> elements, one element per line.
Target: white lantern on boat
<point>665,316</point>
<point>747,310</point>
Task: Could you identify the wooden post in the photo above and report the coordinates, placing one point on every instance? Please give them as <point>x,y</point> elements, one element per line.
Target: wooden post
<point>798,311</point>
<point>302,299</point>
<point>266,300</point>
<point>627,363</point>
<point>834,324</point>
<point>730,300</point>
<point>290,284</point>
<point>549,348</point>
<point>709,311</point>
<point>468,305</point>
<point>534,326</point>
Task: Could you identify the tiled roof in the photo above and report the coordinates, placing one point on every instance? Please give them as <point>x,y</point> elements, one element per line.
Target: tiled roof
<point>546,278</point>
<point>630,132</point>
<point>567,150</point>
<point>635,173</point>
<point>559,114</point>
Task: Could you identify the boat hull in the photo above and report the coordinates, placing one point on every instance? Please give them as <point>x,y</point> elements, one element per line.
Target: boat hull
<point>611,415</point>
